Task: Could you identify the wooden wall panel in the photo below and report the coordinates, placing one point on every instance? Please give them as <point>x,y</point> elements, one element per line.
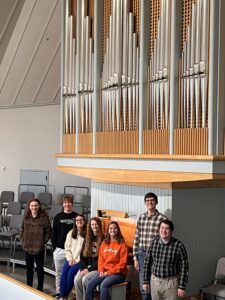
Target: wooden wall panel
<point>85,143</point>
<point>156,141</point>
<point>69,143</point>
<point>191,141</point>
<point>117,142</point>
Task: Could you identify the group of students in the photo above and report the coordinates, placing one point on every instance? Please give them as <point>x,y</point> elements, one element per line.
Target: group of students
<point>83,256</point>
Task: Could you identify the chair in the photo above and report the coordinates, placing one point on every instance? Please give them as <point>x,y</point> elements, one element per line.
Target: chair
<point>14,208</point>
<point>12,231</point>
<point>54,210</point>
<point>25,197</point>
<point>1,223</point>
<point>6,198</point>
<point>216,291</point>
<point>46,200</point>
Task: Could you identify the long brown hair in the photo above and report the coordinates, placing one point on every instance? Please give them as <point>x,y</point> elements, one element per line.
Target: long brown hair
<point>90,237</point>
<point>84,229</point>
<point>28,213</point>
<point>119,238</point>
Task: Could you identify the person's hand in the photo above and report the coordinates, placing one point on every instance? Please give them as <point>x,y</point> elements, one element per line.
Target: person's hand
<point>181,293</point>
<point>103,274</point>
<point>72,262</point>
<point>136,264</point>
<point>146,287</point>
<point>84,272</point>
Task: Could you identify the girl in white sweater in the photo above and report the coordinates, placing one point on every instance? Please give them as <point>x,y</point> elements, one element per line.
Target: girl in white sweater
<point>73,247</point>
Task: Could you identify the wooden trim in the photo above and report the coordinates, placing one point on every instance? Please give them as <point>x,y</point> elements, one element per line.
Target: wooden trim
<point>136,176</point>
<point>24,286</point>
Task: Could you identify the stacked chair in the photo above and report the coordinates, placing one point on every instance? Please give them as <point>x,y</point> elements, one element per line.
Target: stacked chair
<point>5,198</point>
<point>12,222</point>
<point>46,200</point>
<point>25,197</point>
<point>216,290</point>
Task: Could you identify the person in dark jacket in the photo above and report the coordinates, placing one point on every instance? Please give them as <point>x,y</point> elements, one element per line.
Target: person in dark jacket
<point>36,231</point>
<point>89,256</point>
<point>63,222</point>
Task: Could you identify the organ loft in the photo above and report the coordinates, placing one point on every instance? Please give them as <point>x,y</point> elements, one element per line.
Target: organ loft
<point>143,108</point>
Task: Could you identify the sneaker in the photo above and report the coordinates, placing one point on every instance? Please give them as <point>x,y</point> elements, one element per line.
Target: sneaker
<point>56,296</point>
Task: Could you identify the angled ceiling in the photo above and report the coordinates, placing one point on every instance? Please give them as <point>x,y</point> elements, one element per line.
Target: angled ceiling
<point>29,52</point>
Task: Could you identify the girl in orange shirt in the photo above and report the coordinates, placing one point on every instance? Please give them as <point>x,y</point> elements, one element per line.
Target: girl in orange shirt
<point>112,263</point>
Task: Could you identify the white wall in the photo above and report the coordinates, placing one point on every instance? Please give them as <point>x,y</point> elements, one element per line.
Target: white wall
<point>127,198</point>
<point>29,138</point>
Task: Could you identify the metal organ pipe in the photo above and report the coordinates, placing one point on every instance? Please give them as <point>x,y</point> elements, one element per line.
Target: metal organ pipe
<point>119,77</point>
<point>194,68</point>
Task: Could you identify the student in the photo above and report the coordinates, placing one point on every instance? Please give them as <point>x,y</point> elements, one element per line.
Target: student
<point>73,247</point>
<point>89,256</point>
<point>62,224</point>
<point>166,262</point>
<point>112,263</point>
<point>147,230</point>
<point>36,231</point>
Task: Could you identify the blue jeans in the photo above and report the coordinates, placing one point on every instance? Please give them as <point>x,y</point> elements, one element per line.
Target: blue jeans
<point>67,278</point>
<point>141,259</point>
<point>105,283</point>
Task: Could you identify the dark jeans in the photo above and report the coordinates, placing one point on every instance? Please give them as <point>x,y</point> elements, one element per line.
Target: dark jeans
<point>105,283</point>
<point>39,260</point>
<point>67,278</point>
<point>141,259</point>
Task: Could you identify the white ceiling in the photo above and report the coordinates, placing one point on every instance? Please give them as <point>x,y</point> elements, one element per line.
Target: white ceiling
<point>29,52</point>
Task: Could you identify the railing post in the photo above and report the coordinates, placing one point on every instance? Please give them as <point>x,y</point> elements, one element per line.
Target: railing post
<point>98,15</point>
<point>176,22</point>
<point>144,61</point>
<point>214,29</point>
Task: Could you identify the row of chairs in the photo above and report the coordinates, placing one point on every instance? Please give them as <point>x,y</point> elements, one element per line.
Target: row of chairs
<point>11,221</point>
<point>8,197</point>
<point>82,202</point>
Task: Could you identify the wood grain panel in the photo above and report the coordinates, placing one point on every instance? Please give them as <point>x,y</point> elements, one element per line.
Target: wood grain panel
<point>118,142</point>
<point>156,141</point>
<point>69,143</point>
<point>137,176</point>
<point>85,142</point>
<point>191,141</point>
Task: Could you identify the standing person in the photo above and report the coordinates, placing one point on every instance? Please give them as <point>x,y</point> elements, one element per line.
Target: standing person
<point>112,263</point>
<point>62,224</point>
<point>147,229</point>
<point>89,256</point>
<point>36,231</point>
<point>167,264</point>
<point>73,246</point>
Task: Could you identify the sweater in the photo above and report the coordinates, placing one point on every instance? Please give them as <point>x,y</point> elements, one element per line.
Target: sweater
<point>35,233</point>
<point>62,224</point>
<point>90,262</point>
<point>73,246</point>
<point>113,258</point>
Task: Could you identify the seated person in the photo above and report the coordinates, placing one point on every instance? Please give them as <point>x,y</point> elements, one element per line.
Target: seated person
<point>112,263</point>
<point>73,246</point>
<point>89,256</point>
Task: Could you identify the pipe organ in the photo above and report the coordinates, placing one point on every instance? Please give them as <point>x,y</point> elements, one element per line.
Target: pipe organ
<point>159,64</point>
<point>194,65</point>
<point>120,76</point>
<point>114,121</point>
<point>81,83</point>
